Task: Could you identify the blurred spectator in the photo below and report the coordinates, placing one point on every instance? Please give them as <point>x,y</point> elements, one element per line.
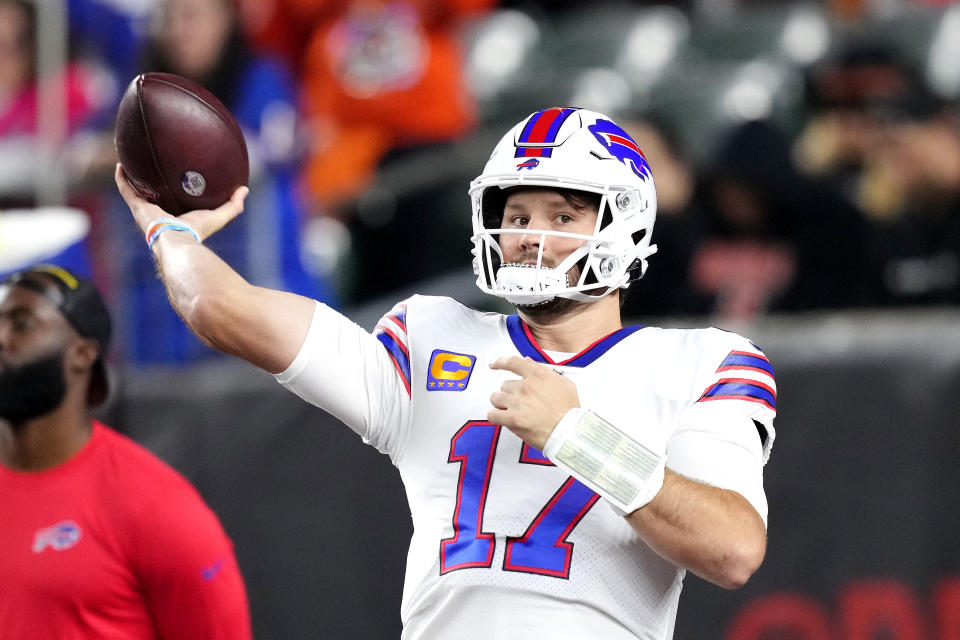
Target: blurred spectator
<point>773,239</point>
<point>916,248</point>
<point>109,33</point>
<point>383,87</point>
<point>201,40</point>
<point>377,76</point>
<point>892,148</point>
<point>677,227</point>
<point>842,130</point>
<point>20,90</point>
<point>858,9</point>
<point>282,28</point>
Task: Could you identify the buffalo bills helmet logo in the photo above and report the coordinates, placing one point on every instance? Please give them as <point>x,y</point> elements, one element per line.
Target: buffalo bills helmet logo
<point>531,164</point>
<point>621,146</point>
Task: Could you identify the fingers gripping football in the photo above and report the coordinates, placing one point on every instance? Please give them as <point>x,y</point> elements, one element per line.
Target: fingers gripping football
<point>532,405</point>
<point>206,221</point>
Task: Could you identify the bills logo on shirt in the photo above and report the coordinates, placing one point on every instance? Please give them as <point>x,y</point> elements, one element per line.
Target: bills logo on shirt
<point>449,371</point>
<point>59,537</point>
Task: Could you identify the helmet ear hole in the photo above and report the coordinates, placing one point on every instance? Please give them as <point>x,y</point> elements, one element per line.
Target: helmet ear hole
<point>590,277</point>
<point>492,202</point>
<point>606,217</point>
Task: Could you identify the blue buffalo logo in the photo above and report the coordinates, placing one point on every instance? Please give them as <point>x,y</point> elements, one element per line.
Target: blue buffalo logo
<point>621,146</point>
<point>59,537</point>
<point>531,164</point>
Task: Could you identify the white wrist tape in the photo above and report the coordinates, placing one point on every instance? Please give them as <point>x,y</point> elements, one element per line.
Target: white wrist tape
<point>625,472</point>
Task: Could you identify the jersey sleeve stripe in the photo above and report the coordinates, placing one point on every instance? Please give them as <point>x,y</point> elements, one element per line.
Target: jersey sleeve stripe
<point>399,357</point>
<point>748,398</point>
<point>395,338</point>
<point>741,389</point>
<point>745,360</point>
<point>395,321</point>
<point>400,317</point>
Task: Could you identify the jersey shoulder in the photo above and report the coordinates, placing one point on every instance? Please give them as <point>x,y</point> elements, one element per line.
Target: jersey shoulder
<point>413,324</point>
<point>739,377</point>
<point>425,315</point>
<point>706,349</point>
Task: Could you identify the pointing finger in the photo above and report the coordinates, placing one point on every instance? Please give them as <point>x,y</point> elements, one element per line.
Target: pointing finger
<point>520,366</point>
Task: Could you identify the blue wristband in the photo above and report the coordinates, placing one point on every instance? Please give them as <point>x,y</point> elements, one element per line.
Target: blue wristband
<point>158,226</point>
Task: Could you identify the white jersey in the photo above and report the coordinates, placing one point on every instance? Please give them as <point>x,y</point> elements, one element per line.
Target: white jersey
<point>506,545</point>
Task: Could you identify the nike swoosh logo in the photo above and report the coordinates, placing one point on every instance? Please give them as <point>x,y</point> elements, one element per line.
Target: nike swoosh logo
<point>211,572</point>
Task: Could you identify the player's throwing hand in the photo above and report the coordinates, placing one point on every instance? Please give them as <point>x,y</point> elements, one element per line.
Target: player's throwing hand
<point>532,406</point>
<point>205,222</point>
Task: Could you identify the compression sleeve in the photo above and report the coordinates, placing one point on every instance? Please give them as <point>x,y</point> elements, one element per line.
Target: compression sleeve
<point>346,371</point>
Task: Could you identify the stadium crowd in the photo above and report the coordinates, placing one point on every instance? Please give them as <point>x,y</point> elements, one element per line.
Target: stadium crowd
<point>365,118</point>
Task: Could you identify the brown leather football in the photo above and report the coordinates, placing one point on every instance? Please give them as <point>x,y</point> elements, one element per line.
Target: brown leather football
<point>178,144</point>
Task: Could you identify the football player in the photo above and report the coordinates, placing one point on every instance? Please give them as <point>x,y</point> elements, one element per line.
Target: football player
<point>563,471</point>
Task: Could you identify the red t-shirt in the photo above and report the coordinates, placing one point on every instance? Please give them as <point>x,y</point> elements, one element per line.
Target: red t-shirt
<point>114,544</point>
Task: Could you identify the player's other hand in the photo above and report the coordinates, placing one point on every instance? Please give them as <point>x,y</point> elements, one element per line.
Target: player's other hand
<point>205,221</point>
<point>533,405</point>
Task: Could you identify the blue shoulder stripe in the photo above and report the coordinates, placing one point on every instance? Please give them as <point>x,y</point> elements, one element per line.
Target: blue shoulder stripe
<point>745,360</point>
<point>396,352</point>
<point>741,390</point>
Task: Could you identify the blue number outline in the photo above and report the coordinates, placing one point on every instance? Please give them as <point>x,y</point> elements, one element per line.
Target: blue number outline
<point>538,534</point>
<point>454,545</point>
<point>546,534</point>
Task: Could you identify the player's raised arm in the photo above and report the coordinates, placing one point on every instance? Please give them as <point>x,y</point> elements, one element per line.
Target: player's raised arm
<point>263,326</point>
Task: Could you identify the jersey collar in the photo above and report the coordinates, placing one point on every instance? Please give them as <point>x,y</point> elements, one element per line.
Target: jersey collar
<point>525,343</point>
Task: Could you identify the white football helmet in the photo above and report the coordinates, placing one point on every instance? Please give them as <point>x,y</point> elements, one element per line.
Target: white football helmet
<point>566,148</point>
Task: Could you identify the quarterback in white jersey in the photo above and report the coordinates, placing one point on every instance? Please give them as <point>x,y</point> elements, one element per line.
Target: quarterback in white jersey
<point>563,472</point>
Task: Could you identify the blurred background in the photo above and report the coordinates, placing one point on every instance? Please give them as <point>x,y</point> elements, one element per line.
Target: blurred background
<point>807,161</point>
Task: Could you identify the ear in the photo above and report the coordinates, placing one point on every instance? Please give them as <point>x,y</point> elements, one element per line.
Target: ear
<point>81,355</point>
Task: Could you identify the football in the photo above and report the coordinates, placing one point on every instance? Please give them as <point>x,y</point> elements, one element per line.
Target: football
<point>179,146</point>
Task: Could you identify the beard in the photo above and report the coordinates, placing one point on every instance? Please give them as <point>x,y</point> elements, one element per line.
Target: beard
<point>32,389</point>
<point>551,308</point>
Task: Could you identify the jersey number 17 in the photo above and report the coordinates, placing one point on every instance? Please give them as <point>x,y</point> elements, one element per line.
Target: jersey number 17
<point>543,549</point>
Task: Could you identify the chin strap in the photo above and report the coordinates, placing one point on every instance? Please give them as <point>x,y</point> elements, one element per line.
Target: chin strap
<point>528,284</point>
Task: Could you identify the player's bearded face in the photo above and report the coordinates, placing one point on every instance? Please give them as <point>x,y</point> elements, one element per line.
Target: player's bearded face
<point>535,213</point>
<point>32,389</point>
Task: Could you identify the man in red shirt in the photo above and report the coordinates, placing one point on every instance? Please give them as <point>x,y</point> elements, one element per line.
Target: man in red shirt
<point>100,539</point>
